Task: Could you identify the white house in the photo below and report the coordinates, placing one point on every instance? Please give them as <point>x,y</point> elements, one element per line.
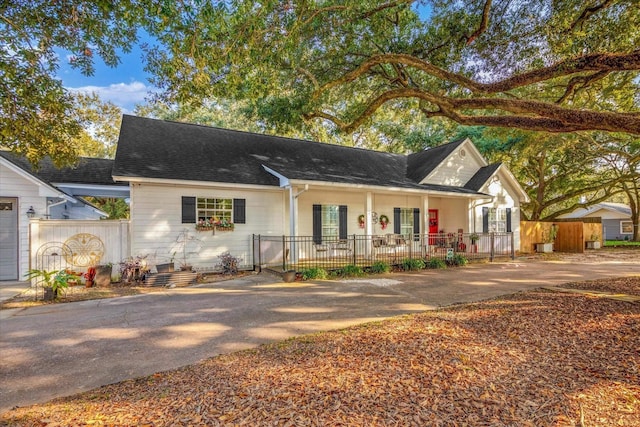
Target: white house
<point>616,219</point>
<point>180,174</point>
<point>46,192</point>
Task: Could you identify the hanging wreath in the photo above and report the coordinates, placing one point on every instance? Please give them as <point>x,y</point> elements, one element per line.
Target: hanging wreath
<point>384,221</point>
<point>361,221</point>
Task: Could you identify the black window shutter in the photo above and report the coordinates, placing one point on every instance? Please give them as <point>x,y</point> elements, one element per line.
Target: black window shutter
<point>508,220</point>
<point>485,220</point>
<point>396,220</point>
<point>317,224</point>
<point>342,221</point>
<point>188,210</point>
<point>416,222</point>
<point>239,211</point>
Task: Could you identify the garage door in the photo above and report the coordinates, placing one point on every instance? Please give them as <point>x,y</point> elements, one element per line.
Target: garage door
<point>8,239</point>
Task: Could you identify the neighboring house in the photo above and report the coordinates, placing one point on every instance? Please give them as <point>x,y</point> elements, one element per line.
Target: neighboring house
<point>272,186</point>
<point>45,192</point>
<point>616,219</point>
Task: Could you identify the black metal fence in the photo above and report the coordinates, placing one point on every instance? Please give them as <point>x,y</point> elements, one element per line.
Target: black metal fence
<point>301,252</point>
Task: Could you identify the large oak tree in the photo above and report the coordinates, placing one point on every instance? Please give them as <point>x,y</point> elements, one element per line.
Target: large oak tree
<point>37,114</point>
<point>556,66</point>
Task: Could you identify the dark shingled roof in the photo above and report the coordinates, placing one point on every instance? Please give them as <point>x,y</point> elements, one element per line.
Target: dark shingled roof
<point>480,178</point>
<point>87,171</point>
<point>420,165</point>
<point>149,148</point>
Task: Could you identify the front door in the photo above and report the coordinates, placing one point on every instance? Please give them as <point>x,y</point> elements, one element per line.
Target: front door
<point>8,239</point>
<point>433,224</point>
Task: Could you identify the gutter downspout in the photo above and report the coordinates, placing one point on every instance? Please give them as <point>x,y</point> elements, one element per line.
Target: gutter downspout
<point>52,205</point>
<point>293,219</point>
<point>475,204</point>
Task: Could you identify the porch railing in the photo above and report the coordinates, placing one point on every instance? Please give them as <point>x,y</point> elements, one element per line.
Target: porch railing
<point>301,252</point>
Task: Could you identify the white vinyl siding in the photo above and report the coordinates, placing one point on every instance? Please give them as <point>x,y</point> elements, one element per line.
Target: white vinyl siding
<point>456,169</point>
<point>156,221</point>
<point>29,194</point>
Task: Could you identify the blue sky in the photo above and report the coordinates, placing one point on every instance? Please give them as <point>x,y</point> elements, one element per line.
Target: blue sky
<point>128,84</point>
<point>125,85</point>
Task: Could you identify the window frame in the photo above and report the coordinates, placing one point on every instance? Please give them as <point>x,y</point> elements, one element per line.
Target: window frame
<point>497,220</point>
<point>215,211</point>
<point>406,221</point>
<point>330,222</point>
<point>624,223</point>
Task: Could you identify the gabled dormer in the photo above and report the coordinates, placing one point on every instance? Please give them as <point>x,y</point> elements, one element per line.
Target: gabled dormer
<point>452,164</point>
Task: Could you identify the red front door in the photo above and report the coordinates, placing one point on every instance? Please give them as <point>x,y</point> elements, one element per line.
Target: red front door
<point>433,224</point>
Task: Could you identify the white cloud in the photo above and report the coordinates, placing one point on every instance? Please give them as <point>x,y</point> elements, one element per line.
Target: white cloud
<point>124,95</point>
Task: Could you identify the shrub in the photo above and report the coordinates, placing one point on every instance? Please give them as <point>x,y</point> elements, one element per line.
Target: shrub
<point>229,263</point>
<point>314,273</point>
<point>411,264</point>
<point>348,271</point>
<point>436,263</point>
<point>459,260</point>
<point>380,267</point>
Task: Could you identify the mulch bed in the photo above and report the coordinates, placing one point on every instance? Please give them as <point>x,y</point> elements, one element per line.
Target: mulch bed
<point>114,290</point>
<point>539,358</point>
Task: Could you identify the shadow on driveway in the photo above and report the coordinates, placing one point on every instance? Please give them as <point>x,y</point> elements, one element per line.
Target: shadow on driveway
<point>57,350</point>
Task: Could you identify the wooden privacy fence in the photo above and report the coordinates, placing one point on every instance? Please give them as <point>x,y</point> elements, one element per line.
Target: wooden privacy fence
<point>571,236</point>
<point>77,244</point>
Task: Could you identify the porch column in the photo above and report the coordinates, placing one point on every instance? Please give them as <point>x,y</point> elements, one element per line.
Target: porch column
<point>368,223</point>
<point>425,223</point>
<point>293,227</point>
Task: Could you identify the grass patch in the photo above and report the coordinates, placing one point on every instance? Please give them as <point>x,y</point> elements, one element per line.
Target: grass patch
<point>614,243</point>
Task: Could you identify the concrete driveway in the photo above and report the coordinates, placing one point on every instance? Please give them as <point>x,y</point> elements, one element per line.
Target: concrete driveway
<point>58,350</point>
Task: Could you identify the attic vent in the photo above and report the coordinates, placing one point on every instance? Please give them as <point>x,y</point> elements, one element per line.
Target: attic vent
<point>462,153</point>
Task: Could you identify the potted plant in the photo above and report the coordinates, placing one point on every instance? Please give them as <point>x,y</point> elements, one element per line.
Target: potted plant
<point>89,277</point>
<point>223,225</point>
<point>166,267</point>
<point>186,243</point>
<point>474,237</point>
<point>52,281</point>
<point>289,276</point>
<point>132,269</point>
<point>103,274</point>
<point>593,242</point>
<point>205,225</point>
<point>548,237</point>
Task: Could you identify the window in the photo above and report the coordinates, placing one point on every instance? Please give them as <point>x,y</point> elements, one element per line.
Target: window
<point>330,222</point>
<point>221,209</point>
<point>406,221</point>
<point>626,227</point>
<point>497,220</point>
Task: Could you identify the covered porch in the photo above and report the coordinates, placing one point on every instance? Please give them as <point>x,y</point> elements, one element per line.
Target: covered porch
<point>303,252</point>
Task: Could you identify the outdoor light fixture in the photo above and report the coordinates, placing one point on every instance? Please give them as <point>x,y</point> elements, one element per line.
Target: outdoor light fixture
<point>31,213</point>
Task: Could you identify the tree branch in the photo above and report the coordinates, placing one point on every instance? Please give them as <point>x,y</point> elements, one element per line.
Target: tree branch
<point>597,62</point>
<point>484,22</point>
<point>531,115</point>
<point>584,81</point>
<point>384,6</point>
<point>586,14</point>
